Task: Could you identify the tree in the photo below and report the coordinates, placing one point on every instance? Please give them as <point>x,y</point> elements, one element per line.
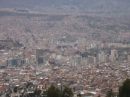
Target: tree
<point>37,92</point>
<point>15,89</point>
<point>124,90</point>
<point>56,92</point>
<point>53,91</point>
<point>79,95</point>
<point>67,92</point>
<point>110,93</point>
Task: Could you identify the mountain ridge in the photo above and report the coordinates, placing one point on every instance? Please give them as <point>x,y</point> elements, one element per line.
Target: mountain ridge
<point>69,5</point>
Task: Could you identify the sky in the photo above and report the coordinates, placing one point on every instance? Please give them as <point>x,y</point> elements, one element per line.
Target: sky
<point>69,5</point>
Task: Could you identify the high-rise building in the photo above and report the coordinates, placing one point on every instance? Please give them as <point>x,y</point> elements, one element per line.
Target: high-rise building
<point>114,55</point>
<point>42,56</point>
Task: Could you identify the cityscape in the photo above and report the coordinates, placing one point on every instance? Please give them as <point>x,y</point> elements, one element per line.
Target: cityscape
<point>88,53</point>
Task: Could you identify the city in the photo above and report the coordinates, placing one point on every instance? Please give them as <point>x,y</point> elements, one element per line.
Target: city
<point>97,68</point>
<point>57,48</point>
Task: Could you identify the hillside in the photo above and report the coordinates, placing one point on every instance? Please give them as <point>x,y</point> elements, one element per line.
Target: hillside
<point>33,29</point>
<point>39,22</point>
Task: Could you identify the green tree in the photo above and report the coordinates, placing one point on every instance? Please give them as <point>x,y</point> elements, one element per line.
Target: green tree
<point>67,92</point>
<point>56,92</point>
<point>79,95</point>
<point>53,91</point>
<point>15,89</point>
<point>124,90</point>
<point>37,92</point>
<point>110,93</point>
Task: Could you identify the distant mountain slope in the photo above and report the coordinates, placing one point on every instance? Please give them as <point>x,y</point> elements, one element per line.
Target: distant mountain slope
<point>36,29</point>
<point>68,5</point>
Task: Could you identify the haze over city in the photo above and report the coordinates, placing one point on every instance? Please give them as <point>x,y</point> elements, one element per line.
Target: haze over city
<point>50,47</point>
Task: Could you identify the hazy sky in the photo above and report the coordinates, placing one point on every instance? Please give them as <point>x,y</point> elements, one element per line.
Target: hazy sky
<point>81,5</point>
